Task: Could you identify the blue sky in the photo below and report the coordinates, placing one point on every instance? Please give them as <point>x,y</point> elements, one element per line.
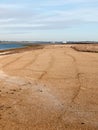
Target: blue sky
<point>49,20</point>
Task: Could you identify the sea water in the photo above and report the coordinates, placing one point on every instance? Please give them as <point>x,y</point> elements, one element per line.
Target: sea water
<point>6,46</point>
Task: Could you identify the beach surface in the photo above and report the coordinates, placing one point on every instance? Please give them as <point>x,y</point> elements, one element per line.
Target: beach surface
<point>53,87</point>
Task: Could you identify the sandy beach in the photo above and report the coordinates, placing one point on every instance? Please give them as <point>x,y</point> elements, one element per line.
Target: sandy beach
<point>53,87</point>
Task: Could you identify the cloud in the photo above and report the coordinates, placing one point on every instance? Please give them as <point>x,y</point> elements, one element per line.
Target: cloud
<point>28,17</point>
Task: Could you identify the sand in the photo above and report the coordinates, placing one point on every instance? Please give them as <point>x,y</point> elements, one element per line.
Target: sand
<point>50,88</point>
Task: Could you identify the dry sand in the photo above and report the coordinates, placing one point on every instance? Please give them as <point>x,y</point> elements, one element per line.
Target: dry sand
<point>86,47</point>
<point>51,88</point>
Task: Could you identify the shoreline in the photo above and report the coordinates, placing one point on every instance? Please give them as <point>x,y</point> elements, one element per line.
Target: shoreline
<point>23,49</point>
<point>91,48</point>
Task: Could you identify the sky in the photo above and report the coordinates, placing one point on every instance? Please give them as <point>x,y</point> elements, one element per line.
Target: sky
<point>49,20</point>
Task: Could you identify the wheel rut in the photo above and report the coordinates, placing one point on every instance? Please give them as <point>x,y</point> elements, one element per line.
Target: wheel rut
<point>13,61</point>
<point>77,77</point>
<point>48,68</point>
<point>31,62</point>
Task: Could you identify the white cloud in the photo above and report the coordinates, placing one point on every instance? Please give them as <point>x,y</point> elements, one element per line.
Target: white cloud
<point>28,17</point>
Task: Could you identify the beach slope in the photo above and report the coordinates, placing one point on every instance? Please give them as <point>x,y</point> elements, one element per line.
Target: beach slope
<point>51,88</point>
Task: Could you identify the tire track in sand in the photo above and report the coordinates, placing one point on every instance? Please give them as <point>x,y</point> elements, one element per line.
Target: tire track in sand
<point>31,62</point>
<point>51,62</point>
<point>13,61</point>
<point>77,77</point>
<point>26,66</point>
<point>76,92</point>
<point>18,58</point>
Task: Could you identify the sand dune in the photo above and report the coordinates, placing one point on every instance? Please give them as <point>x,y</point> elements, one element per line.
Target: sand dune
<point>50,88</point>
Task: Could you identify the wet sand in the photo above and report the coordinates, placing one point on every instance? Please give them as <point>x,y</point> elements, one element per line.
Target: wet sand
<point>53,87</point>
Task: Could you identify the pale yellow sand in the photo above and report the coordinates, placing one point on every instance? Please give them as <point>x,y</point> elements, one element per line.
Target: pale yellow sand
<point>54,88</point>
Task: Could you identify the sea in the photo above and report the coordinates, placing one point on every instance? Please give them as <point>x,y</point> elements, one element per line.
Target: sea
<point>7,46</point>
